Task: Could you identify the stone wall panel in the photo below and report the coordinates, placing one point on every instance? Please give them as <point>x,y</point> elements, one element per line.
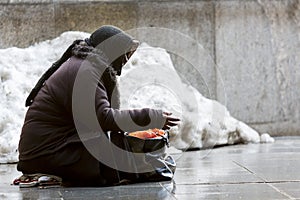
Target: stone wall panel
<point>24,24</point>
<point>244,54</point>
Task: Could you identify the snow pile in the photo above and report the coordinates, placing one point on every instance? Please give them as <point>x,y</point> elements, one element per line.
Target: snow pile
<point>266,138</point>
<point>205,123</point>
<point>150,80</point>
<point>19,71</point>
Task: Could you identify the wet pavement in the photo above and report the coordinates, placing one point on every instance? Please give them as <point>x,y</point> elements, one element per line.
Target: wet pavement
<point>253,171</point>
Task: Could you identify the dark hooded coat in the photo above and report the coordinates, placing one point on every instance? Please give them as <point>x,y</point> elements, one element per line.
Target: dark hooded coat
<point>49,142</point>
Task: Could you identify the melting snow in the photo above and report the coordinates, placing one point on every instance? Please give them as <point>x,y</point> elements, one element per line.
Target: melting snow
<point>148,80</point>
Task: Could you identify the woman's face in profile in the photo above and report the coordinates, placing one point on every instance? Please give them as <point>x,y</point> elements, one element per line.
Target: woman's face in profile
<point>124,58</point>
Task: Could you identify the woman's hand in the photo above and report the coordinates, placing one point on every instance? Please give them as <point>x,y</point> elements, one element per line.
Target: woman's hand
<point>169,120</point>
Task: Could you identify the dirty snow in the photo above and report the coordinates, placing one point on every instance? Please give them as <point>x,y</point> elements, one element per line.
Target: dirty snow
<point>205,123</point>
<point>150,80</point>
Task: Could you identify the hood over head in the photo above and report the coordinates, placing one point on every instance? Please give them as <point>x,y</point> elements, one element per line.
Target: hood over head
<point>114,43</point>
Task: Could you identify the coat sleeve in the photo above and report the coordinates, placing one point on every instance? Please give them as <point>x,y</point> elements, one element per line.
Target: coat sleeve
<point>124,120</point>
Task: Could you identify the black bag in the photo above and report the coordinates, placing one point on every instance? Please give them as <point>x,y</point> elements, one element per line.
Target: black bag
<point>146,157</point>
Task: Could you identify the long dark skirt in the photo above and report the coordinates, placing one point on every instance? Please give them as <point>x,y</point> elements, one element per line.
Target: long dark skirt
<point>75,165</point>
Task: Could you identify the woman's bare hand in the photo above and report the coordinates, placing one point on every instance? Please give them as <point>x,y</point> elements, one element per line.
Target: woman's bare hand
<point>170,121</point>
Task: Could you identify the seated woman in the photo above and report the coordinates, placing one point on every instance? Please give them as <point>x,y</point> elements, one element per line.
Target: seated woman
<point>50,141</point>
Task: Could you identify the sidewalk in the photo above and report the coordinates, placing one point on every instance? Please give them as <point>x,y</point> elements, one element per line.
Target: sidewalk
<point>253,171</point>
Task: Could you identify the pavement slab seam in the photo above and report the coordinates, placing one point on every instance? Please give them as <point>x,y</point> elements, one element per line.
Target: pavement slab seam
<point>281,192</point>
<point>269,183</point>
<point>238,183</point>
<point>172,193</point>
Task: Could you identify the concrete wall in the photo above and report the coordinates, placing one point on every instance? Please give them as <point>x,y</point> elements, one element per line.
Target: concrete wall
<point>253,45</point>
<point>258,52</point>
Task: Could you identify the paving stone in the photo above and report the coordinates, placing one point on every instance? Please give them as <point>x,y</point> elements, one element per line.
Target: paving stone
<point>291,188</point>
<point>253,171</point>
<point>231,191</point>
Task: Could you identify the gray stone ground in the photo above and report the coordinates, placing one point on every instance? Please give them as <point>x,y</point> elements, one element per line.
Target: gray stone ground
<point>253,171</point>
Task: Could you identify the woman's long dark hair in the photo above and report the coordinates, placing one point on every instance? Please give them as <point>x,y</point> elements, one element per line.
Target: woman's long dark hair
<point>82,50</point>
<point>66,55</point>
